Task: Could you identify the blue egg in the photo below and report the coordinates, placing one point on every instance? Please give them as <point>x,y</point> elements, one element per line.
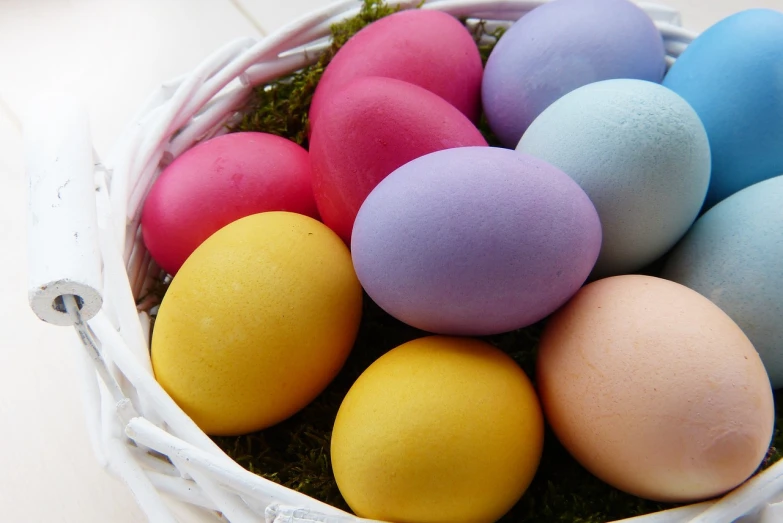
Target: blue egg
<point>732,75</point>
<point>640,153</point>
<point>733,255</point>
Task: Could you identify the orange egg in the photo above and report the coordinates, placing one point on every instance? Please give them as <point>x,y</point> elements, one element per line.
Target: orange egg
<point>655,390</point>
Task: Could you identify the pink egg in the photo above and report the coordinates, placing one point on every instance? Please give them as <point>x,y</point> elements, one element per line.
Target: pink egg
<point>402,46</point>
<point>220,181</point>
<point>369,129</point>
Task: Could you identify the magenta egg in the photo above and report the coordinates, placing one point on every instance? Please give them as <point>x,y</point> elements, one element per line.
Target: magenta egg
<point>220,181</point>
<point>475,241</point>
<point>404,46</point>
<point>369,128</point>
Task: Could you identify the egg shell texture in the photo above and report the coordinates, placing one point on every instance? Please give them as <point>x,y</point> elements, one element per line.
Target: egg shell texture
<point>733,255</point>
<point>475,241</point>
<point>640,153</point>
<point>257,323</point>
<point>560,46</point>
<point>654,389</point>
<point>732,75</point>
<point>370,128</point>
<point>428,48</point>
<point>438,430</point>
<point>218,182</point>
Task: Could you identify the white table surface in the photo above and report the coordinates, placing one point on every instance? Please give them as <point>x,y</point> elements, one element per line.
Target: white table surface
<point>112,53</point>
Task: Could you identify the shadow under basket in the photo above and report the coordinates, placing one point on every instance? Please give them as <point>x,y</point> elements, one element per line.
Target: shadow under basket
<point>89,270</point>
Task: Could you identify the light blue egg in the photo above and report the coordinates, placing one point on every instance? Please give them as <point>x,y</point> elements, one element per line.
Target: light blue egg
<point>640,153</point>
<point>732,75</point>
<point>733,255</point>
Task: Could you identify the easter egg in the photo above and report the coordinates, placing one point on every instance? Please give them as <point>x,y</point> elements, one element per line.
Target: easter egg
<point>654,389</point>
<point>560,46</point>
<point>438,430</point>
<point>640,153</point>
<point>474,241</point>
<point>370,128</point>
<point>257,322</point>
<point>733,255</point>
<point>217,182</point>
<point>732,75</point>
<point>428,48</point>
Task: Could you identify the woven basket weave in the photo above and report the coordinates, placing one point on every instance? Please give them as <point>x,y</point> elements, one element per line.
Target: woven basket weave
<point>88,266</point>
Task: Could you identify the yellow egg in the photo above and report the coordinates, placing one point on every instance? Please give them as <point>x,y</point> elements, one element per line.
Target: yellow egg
<point>257,322</point>
<point>439,429</point>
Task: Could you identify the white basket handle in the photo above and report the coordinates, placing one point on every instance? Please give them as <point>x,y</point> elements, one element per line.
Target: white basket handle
<point>63,254</point>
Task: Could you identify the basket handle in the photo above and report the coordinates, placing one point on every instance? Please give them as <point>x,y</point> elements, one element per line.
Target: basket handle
<point>63,253</point>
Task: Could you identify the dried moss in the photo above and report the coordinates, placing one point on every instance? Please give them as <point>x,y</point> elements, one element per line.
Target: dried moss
<point>484,38</point>
<point>295,453</point>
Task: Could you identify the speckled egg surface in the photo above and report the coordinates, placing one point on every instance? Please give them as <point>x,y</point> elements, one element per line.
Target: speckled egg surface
<point>654,389</point>
<point>733,255</point>
<point>641,154</point>
<point>369,128</point>
<point>732,75</point>
<point>475,240</point>
<point>560,46</point>
<point>403,46</point>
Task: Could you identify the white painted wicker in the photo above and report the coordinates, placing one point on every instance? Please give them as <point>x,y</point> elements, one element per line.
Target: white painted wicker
<point>88,266</point>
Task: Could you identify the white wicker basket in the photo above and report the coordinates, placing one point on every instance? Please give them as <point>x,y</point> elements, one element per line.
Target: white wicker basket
<point>88,265</point>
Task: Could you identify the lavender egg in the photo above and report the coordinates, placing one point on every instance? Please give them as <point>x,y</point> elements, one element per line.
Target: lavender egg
<point>560,46</point>
<point>475,241</point>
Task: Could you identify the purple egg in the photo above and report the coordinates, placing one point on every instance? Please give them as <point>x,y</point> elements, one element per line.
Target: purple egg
<point>560,46</point>
<point>475,241</point>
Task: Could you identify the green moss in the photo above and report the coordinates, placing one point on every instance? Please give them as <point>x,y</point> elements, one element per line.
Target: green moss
<point>776,449</point>
<point>484,38</point>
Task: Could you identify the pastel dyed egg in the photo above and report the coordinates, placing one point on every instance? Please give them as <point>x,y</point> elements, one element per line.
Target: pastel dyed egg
<point>732,75</point>
<point>217,182</point>
<point>402,46</point>
<point>370,128</point>
<point>256,324</point>
<point>733,255</point>
<point>655,390</point>
<point>640,153</point>
<point>475,241</point>
<point>560,46</point>
<point>438,430</point>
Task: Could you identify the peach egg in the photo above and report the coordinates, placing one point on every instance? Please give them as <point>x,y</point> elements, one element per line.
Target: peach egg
<point>655,390</point>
